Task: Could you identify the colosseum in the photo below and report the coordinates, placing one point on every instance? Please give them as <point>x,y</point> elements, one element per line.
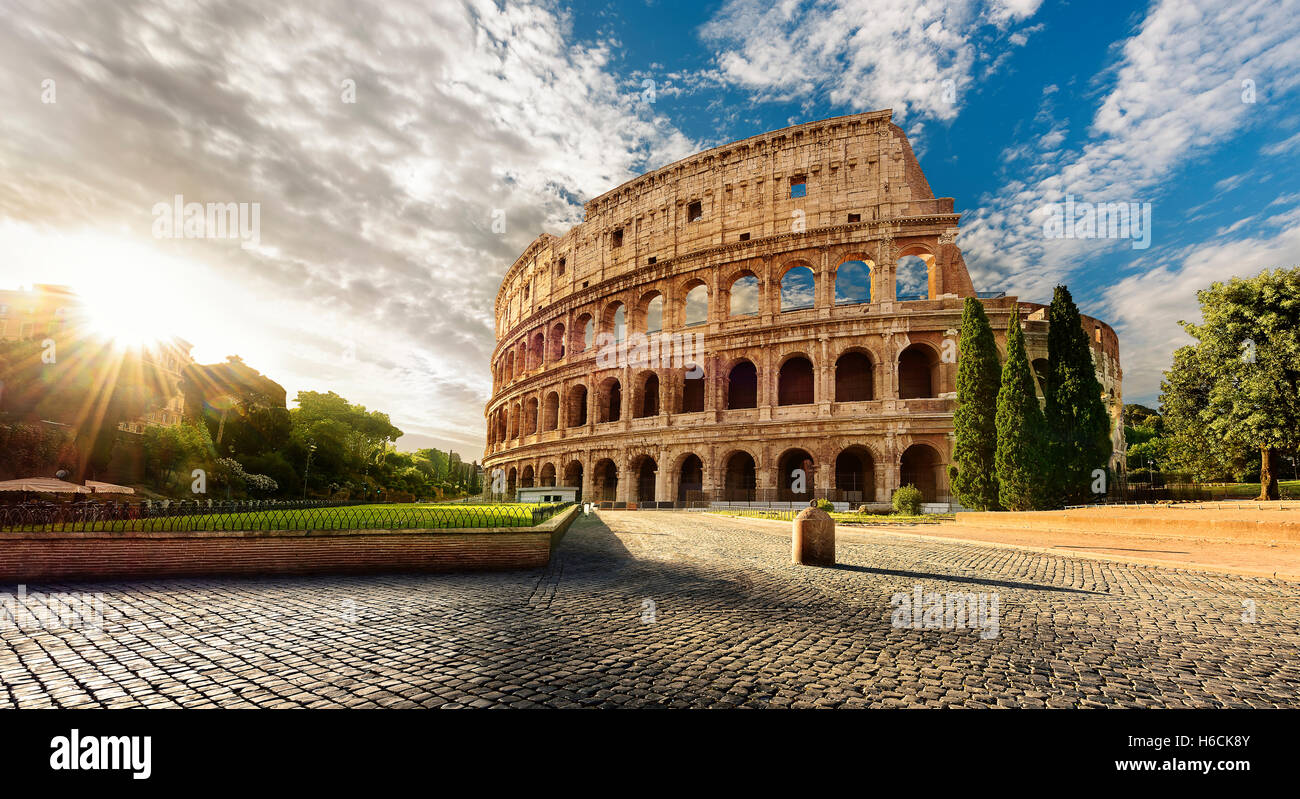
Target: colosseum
<point>764,322</point>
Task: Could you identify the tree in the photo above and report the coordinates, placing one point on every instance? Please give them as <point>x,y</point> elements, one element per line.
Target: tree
<point>1077,423</point>
<point>974,472</point>
<point>1021,430</point>
<point>1239,384</point>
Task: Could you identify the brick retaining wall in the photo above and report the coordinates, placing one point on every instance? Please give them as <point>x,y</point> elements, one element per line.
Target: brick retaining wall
<point>43,557</point>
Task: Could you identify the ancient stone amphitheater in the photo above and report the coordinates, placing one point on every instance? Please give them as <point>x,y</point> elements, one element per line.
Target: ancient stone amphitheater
<point>767,321</point>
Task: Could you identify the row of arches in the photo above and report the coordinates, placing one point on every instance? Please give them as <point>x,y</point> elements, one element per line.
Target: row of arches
<point>854,380</point>
<point>854,475</point>
<point>742,296</point>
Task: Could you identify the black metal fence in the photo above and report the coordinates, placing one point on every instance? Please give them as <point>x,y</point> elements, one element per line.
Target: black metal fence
<point>190,516</point>
<point>1147,493</point>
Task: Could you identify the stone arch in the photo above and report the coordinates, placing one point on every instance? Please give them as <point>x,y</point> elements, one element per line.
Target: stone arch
<point>798,287</point>
<point>530,416</point>
<point>573,475</point>
<point>688,477</point>
<point>918,372</point>
<point>526,476</point>
<point>546,477</point>
<point>855,474</point>
<point>643,469</point>
<point>739,476</point>
<point>742,384</point>
<point>914,273</point>
<point>650,312</point>
<point>516,411</point>
<point>921,465</point>
<point>614,320</point>
<point>576,406</point>
<point>536,350</point>
<point>512,481</point>
<point>853,281</point>
<point>584,333</point>
<point>510,365</point>
<point>611,400</point>
<point>647,400</point>
<point>692,394</point>
<point>551,411</point>
<point>854,376</point>
<point>604,480</point>
<point>695,303</point>
<point>791,486</point>
<point>795,380</point>
<point>557,342</point>
<point>743,294</point>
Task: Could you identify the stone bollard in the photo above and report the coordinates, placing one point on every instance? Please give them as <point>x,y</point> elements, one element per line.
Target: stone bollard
<point>812,542</point>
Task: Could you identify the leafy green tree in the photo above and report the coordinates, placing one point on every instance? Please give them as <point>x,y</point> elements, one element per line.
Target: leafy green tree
<point>974,473</point>
<point>1077,423</point>
<point>172,452</point>
<point>1239,384</point>
<point>1021,430</point>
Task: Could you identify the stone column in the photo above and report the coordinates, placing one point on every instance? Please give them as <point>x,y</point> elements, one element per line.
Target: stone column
<point>824,377</point>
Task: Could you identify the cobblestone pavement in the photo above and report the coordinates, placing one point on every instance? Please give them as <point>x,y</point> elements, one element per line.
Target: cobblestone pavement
<point>678,610</point>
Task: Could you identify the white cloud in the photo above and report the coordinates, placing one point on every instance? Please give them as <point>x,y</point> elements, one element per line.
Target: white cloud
<point>864,54</point>
<point>376,215</point>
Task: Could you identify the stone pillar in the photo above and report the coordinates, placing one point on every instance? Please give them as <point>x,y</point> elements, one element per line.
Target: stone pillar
<point>823,476</point>
<point>767,380</point>
<point>812,537</point>
<point>663,483</point>
<point>824,390</point>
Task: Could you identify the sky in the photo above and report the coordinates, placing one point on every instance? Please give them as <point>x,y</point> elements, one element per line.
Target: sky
<point>384,145</point>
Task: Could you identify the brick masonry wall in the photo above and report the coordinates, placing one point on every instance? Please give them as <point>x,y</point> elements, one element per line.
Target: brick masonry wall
<point>40,557</point>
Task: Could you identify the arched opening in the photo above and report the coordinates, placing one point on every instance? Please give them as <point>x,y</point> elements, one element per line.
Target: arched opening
<point>510,365</point>
<point>652,310</point>
<point>690,479</point>
<point>742,386</point>
<point>551,413</point>
<point>852,283</point>
<point>918,372</point>
<point>530,416</point>
<point>740,478</point>
<point>557,342</point>
<point>577,406</point>
<point>645,469</point>
<point>512,482</point>
<point>855,475</point>
<point>537,351</point>
<point>547,475</point>
<point>853,378</point>
<point>605,477</point>
<point>649,404</point>
<point>573,476</point>
<point>611,405</point>
<point>697,305</point>
<point>616,321</point>
<point>912,278</point>
<point>922,467</point>
<point>584,333</point>
<point>744,296</point>
<point>514,421</point>
<point>693,391</point>
<point>798,289</point>
<point>526,477</point>
<point>794,478</point>
<point>794,383</point>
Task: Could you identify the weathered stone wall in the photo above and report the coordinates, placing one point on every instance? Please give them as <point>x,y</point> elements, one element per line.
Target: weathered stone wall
<point>866,202</point>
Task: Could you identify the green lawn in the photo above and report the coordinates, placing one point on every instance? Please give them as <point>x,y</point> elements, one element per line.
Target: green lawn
<point>355,517</point>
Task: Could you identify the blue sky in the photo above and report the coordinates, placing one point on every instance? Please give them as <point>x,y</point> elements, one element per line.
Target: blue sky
<point>379,259</point>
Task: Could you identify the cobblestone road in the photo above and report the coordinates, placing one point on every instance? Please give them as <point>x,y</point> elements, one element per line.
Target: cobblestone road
<point>678,610</point>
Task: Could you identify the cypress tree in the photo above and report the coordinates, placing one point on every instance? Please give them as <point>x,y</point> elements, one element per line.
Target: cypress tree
<point>974,473</point>
<point>1077,423</point>
<point>1021,430</point>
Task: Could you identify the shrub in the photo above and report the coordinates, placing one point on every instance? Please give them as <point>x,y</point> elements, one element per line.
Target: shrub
<point>826,505</point>
<point>907,501</point>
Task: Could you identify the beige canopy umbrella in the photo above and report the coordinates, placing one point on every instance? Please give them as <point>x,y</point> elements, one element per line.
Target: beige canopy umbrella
<point>44,485</point>
<point>108,488</point>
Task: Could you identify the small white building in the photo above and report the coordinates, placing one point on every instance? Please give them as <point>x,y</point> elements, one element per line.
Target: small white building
<point>547,494</point>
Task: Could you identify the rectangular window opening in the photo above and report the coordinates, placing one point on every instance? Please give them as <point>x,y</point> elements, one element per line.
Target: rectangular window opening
<point>798,187</point>
<point>618,238</point>
<point>695,211</point>
<point>855,218</point>
<point>744,237</point>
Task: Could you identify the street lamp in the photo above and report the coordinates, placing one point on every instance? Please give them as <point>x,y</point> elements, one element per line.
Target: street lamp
<point>307,470</point>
